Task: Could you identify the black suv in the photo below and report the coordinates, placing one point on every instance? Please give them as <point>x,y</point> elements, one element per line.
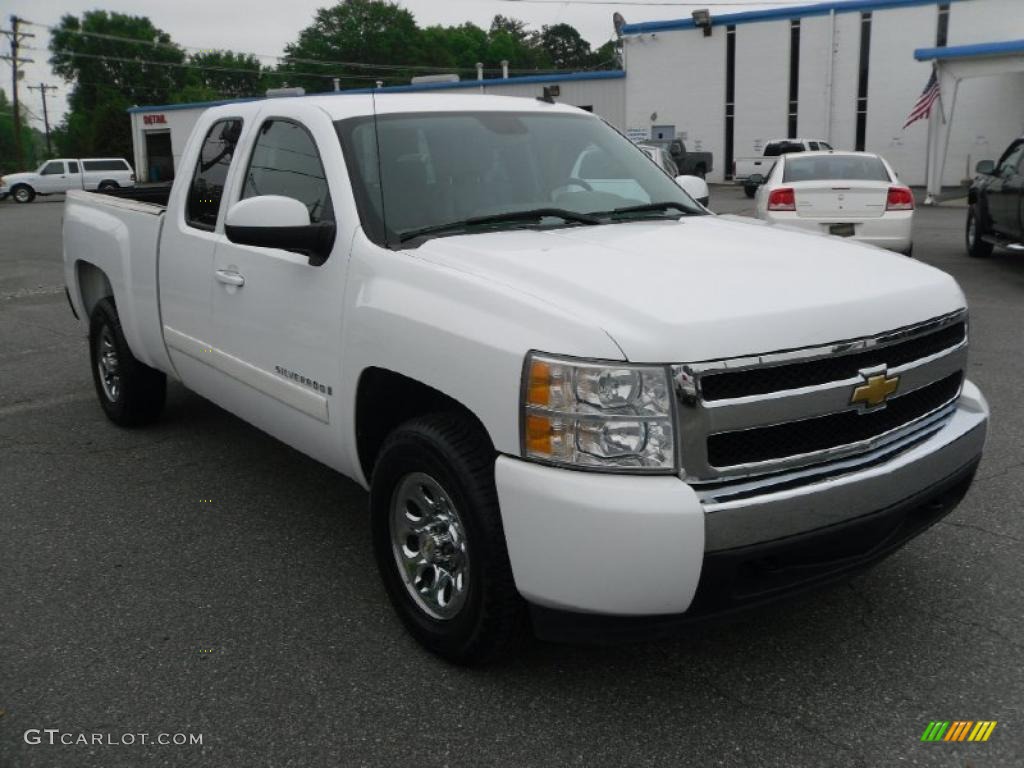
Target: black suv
<point>995,214</point>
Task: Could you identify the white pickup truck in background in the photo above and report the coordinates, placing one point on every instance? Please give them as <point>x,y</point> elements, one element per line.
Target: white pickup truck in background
<point>588,408</point>
<point>53,177</point>
<point>752,171</point>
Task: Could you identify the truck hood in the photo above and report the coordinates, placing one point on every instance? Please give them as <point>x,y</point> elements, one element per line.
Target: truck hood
<point>10,179</point>
<point>705,287</point>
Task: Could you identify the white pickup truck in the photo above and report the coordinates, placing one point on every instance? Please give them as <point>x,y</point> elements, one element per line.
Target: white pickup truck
<point>586,413</point>
<point>751,172</point>
<point>53,177</point>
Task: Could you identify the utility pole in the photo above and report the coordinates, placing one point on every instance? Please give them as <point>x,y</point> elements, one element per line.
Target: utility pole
<point>43,88</point>
<point>16,37</point>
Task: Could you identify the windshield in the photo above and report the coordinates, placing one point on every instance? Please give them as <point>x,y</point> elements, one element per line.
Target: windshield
<point>832,167</point>
<point>448,171</point>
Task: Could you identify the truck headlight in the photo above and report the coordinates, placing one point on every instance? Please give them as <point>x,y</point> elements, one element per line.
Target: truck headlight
<point>597,415</point>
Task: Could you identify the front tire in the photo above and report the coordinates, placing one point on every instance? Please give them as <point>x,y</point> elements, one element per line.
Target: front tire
<point>130,393</point>
<point>976,247</point>
<point>439,542</point>
<point>23,193</point>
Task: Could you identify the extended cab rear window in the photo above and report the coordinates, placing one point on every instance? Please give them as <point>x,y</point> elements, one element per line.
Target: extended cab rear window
<point>835,167</point>
<point>105,165</point>
<point>207,187</point>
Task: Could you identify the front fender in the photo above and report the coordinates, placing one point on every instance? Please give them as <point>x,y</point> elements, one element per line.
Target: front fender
<point>452,331</point>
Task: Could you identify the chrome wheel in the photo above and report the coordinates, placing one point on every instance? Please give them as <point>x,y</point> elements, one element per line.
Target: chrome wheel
<point>22,195</point>
<point>108,365</point>
<point>429,544</point>
<point>972,232</point>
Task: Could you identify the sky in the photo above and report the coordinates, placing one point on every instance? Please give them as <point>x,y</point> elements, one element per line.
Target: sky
<point>265,27</point>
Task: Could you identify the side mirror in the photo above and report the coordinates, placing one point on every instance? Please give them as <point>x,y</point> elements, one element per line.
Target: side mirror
<point>985,167</point>
<point>274,221</point>
<point>695,187</point>
<point>755,180</point>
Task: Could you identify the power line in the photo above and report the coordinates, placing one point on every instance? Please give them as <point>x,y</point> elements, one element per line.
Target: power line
<point>209,68</point>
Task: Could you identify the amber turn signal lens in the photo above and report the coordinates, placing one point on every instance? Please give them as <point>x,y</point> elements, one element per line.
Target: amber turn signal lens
<point>539,386</point>
<point>538,434</point>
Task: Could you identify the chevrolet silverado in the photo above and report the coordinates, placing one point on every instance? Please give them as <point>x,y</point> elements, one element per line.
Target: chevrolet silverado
<point>582,405</point>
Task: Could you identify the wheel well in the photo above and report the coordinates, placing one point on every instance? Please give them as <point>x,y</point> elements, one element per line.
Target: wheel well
<point>93,285</point>
<point>386,399</point>
<point>107,181</point>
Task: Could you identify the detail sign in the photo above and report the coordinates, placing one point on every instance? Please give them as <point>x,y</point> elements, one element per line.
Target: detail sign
<point>638,134</point>
<point>154,120</point>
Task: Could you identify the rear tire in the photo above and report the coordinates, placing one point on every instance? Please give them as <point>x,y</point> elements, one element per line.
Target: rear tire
<point>435,521</point>
<point>976,247</point>
<point>107,186</point>
<point>130,393</point>
<point>23,193</point>
<point>701,170</point>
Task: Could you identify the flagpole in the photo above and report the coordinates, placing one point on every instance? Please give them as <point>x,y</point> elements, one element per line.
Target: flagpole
<point>928,148</point>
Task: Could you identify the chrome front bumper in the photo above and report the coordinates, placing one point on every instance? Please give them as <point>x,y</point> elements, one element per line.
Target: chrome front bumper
<point>741,514</point>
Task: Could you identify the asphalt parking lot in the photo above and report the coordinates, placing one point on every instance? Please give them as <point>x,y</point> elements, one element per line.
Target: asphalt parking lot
<point>198,577</point>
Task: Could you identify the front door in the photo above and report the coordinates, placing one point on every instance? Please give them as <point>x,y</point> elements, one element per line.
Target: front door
<point>276,317</point>
<point>187,243</point>
<point>1004,193</point>
<point>52,178</point>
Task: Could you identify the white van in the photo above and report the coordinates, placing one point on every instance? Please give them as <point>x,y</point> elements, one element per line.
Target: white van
<point>102,174</point>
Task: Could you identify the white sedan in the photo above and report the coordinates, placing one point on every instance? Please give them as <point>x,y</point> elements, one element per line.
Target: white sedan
<point>848,194</point>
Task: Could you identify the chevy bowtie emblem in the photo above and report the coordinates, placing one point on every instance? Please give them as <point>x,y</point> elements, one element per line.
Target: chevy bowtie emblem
<point>875,389</point>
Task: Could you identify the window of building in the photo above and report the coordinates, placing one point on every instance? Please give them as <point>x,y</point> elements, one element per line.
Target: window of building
<point>794,76</point>
<point>207,188</point>
<point>862,80</point>
<point>285,162</point>
<point>730,95</point>
<point>52,168</point>
<point>942,30</point>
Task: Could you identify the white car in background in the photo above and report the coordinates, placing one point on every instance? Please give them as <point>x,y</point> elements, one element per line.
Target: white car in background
<point>848,194</point>
<point>93,174</point>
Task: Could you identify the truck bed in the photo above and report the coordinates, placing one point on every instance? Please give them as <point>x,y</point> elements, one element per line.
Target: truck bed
<point>156,194</point>
<point>114,238</point>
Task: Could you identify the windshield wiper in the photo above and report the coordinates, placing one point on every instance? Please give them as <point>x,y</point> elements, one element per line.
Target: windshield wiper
<point>533,214</point>
<point>652,207</point>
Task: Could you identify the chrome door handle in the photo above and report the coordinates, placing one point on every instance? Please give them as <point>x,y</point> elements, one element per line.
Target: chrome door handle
<point>230,278</point>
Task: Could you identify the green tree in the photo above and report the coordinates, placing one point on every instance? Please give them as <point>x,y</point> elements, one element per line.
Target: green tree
<point>222,75</point>
<point>565,46</point>
<point>364,31</point>
<point>31,148</point>
<point>608,56</point>
<point>110,75</point>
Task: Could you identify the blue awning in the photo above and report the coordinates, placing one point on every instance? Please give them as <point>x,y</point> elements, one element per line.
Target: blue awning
<point>970,51</point>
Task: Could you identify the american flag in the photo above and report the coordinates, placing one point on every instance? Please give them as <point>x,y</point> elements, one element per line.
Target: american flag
<point>923,107</point>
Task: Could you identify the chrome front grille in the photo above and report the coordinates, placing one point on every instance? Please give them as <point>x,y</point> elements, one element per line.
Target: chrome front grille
<point>782,411</point>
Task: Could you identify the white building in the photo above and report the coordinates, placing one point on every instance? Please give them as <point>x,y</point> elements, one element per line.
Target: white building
<point>846,71</point>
